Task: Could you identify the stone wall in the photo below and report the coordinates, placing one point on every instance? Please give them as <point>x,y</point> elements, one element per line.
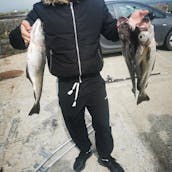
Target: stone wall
<point>6,25</point>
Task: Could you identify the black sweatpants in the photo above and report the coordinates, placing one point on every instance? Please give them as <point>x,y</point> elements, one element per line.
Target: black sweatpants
<point>92,95</point>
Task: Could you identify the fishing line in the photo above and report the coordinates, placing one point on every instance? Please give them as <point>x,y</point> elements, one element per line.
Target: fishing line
<point>110,79</point>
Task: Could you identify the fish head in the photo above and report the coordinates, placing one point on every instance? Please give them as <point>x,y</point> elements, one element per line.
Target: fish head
<point>37,33</point>
<point>144,37</point>
<point>145,26</point>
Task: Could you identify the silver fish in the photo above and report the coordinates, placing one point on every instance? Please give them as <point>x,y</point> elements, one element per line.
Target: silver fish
<point>36,60</point>
<point>145,59</point>
<point>128,39</point>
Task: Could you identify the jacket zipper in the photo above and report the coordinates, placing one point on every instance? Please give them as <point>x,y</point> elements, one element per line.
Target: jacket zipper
<point>76,40</point>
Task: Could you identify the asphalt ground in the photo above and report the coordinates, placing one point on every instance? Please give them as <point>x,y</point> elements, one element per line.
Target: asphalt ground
<point>142,134</point>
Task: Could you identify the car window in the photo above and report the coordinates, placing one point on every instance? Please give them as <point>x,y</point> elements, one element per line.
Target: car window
<point>125,9</point>
<point>111,9</point>
<point>158,14</point>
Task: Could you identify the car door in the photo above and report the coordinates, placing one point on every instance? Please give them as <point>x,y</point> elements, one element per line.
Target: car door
<point>107,45</point>
<point>161,26</point>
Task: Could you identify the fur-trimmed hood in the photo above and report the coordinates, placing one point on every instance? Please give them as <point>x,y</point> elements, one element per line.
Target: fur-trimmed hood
<point>49,2</point>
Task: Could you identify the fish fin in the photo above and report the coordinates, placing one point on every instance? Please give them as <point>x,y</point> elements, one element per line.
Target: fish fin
<point>134,83</point>
<point>27,74</point>
<point>138,84</point>
<point>142,97</point>
<point>34,95</point>
<point>148,54</point>
<point>153,66</point>
<point>35,109</point>
<point>134,91</point>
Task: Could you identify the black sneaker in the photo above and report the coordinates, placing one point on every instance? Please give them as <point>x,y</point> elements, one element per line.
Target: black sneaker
<point>80,161</point>
<point>111,164</point>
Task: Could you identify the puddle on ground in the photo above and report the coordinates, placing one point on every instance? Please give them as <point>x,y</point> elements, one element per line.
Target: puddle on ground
<point>10,74</point>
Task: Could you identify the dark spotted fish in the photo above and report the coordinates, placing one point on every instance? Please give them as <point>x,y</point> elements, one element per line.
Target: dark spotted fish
<point>36,60</point>
<point>128,39</point>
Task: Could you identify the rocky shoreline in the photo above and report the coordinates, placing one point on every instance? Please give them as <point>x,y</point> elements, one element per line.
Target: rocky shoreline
<point>8,22</point>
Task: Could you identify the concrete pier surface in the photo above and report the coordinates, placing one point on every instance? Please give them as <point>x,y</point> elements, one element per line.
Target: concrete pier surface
<point>142,134</point>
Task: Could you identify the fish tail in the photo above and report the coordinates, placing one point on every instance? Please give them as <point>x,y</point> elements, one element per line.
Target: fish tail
<point>138,84</point>
<point>27,74</point>
<point>142,97</point>
<point>35,109</point>
<point>134,91</point>
<point>133,84</point>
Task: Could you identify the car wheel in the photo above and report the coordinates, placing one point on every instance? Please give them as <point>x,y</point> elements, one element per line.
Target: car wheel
<point>168,42</point>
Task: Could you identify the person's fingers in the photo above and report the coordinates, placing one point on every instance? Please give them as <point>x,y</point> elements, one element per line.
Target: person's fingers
<point>25,31</point>
<point>144,12</point>
<point>143,26</point>
<point>26,39</point>
<point>139,13</point>
<point>27,25</point>
<point>137,17</point>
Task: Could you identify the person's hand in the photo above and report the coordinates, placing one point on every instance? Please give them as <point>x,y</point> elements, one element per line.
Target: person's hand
<point>144,25</point>
<point>136,17</point>
<point>25,31</point>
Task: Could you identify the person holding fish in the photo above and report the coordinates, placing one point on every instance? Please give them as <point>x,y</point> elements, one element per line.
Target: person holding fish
<point>72,30</point>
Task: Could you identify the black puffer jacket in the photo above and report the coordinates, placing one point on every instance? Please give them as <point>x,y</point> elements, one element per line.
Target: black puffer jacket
<point>72,33</point>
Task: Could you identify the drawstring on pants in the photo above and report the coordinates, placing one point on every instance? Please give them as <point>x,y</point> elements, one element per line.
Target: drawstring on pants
<point>75,87</point>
